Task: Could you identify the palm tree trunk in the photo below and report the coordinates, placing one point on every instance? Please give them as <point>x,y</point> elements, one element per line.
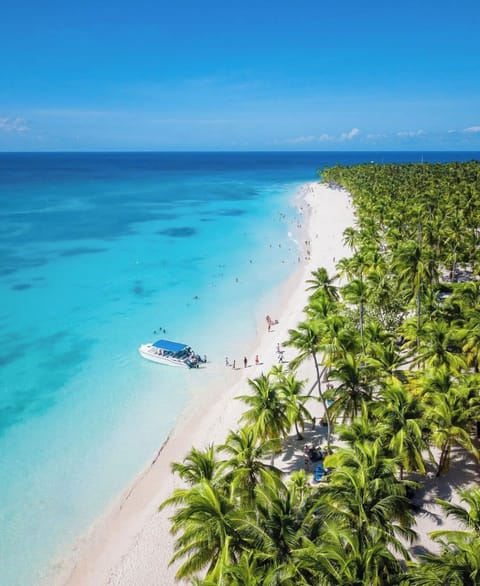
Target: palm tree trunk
<point>322,399</point>
<point>299,435</point>
<point>361,312</point>
<point>418,307</point>
<point>443,457</point>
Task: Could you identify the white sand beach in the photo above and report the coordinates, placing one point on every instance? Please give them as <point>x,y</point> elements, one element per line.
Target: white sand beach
<point>131,544</point>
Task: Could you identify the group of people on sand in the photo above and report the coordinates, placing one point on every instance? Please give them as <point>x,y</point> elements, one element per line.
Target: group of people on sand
<point>315,455</point>
<point>270,322</point>
<point>245,362</point>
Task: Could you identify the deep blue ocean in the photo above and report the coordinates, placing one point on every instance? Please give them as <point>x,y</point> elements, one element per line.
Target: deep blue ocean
<point>98,253</point>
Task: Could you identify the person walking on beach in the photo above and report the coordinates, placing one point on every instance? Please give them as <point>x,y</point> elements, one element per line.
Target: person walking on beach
<point>233,365</point>
<point>245,362</point>
<point>227,363</point>
<point>257,361</point>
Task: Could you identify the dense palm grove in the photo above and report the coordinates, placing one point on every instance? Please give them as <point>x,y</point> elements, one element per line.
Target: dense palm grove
<point>396,349</point>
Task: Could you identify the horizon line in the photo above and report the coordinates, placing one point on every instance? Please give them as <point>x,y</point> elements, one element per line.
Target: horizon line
<point>235,151</point>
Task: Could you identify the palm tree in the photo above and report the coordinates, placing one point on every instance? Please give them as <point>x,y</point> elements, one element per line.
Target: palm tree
<point>364,496</point>
<point>356,292</point>
<point>458,565</point>
<point>277,533</point>
<point>267,411</point>
<point>299,487</point>
<point>386,362</point>
<point>322,283</point>
<point>245,469</point>
<point>345,268</point>
<point>247,571</point>
<point>470,335</point>
<point>337,337</point>
<point>375,333</point>
<point>354,389</point>
<point>291,391</point>
<point>403,423</point>
<point>413,267</point>
<point>208,523</point>
<point>360,262</point>
<point>341,557</point>
<point>452,415</point>
<point>306,339</point>
<point>363,429</point>
<point>319,307</point>
<point>435,381</point>
<point>410,332</point>
<point>437,347</point>
<point>351,238</point>
<point>468,293</point>
<point>384,298</point>
<point>197,465</point>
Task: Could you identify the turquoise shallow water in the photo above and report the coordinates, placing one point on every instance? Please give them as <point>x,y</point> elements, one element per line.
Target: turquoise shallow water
<point>98,251</point>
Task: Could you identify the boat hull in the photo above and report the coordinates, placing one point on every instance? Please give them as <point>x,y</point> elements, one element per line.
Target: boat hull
<point>148,352</point>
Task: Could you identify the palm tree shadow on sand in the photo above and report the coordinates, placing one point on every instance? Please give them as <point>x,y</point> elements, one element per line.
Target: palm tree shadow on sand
<point>464,472</point>
<point>292,457</point>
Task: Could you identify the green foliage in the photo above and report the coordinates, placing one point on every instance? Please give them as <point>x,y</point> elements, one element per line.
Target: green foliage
<point>398,344</point>
<point>459,562</point>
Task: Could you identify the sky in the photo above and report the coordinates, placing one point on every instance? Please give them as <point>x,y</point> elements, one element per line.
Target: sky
<point>250,75</point>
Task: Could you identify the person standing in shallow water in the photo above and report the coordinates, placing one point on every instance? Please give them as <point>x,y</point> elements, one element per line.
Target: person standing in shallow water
<point>245,362</point>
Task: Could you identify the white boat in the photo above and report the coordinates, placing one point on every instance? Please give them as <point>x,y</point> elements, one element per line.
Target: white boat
<point>171,353</point>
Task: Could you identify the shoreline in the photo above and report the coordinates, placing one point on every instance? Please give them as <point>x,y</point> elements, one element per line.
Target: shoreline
<point>131,543</point>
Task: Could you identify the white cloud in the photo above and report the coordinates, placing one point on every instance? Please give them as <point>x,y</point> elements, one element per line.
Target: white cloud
<point>324,137</point>
<point>411,133</point>
<point>349,135</point>
<point>472,129</point>
<point>13,124</point>
<point>301,139</point>
<point>374,136</point>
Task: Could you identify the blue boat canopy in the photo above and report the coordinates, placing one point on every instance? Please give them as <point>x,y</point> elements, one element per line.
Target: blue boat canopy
<point>169,346</point>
